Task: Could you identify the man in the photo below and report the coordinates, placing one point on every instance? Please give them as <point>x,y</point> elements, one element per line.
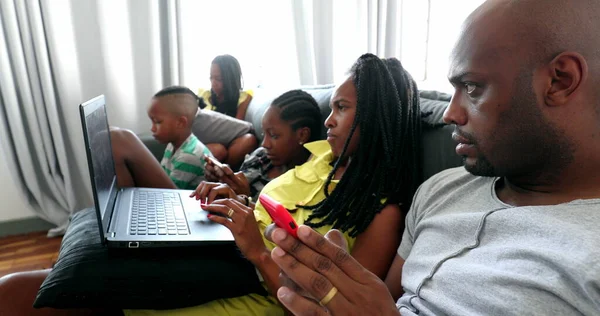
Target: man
<point>516,231</point>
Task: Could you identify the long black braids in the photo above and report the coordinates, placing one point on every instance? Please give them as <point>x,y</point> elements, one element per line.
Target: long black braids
<point>411,136</point>
<point>385,168</point>
<point>231,74</point>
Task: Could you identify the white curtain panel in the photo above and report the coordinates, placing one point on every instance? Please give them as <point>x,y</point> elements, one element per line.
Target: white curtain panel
<point>127,50</point>
<point>331,34</point>
<point>56,54</point>
<point>346,29</point>
<point>283,44</point>
<point>35,143</point>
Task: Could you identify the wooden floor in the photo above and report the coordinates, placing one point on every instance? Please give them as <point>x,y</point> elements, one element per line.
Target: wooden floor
<point>33,251</point>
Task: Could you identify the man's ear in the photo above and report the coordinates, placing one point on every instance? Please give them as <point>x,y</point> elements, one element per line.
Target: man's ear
<point>303,134</point>
<point>568,72</point>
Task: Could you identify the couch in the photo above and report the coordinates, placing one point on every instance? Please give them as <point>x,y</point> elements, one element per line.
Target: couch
<point>438,154</point>
<point>438,146</point>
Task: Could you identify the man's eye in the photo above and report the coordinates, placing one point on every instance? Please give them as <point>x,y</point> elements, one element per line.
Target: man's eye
<point>470,88</point>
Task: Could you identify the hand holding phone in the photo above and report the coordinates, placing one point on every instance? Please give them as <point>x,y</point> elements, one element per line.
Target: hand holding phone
<point>213,170</point>
<point>212,160</point>
<point>279,214</point>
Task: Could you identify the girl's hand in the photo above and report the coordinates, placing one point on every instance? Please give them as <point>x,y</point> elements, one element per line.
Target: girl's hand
<point>237,182</point>
<point>213,169</point>
<point>240,220</point>
<point>218,172</point>
<point>207,192</point>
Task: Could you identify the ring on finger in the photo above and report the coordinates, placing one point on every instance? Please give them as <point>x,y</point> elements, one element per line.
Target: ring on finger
<point>230,213</point>
<point>329,296</point>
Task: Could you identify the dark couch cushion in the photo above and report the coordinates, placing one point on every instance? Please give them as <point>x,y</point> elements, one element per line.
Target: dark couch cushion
<point>90,275</point>
<point>438,146</point>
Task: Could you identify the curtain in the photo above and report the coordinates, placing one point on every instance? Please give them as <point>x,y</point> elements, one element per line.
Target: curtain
<point>283,44</point>
<point>331,34</point>
<point>33,137</point>
<point>54,55</point>
<point>347,29</point>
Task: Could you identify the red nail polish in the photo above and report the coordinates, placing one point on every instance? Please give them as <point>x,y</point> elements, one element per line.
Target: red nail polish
<point>209,215</point>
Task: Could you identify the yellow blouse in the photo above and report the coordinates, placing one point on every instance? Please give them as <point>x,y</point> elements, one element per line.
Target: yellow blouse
<point>302,185</point>
<point>205,95</point>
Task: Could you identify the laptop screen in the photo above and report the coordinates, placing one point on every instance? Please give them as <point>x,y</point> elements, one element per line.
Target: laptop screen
<point>100,159</point>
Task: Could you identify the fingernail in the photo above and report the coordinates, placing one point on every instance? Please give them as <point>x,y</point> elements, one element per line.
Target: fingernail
<point>278,235</point>
<point>278,252</point>
<point>209,215</point>
<point>284,294</point>
<point>303,231</point>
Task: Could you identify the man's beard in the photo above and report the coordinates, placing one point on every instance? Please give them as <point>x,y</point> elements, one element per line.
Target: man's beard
<point>482,167</point>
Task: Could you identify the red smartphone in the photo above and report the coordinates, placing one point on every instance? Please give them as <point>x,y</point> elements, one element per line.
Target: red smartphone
<point>279,214</point>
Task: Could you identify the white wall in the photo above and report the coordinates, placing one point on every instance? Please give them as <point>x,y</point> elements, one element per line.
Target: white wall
<point>12,202</point>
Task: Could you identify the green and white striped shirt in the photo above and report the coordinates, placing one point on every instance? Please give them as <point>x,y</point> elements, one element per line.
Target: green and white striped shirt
<point>185,166</point>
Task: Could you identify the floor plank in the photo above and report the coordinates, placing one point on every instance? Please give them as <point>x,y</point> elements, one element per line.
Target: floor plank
<point>32,251</point>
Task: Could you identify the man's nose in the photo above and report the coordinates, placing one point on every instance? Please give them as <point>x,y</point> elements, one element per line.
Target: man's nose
<point>455,112</point>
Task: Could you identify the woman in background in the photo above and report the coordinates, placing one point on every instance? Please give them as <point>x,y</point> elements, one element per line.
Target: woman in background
<point>226,96</point>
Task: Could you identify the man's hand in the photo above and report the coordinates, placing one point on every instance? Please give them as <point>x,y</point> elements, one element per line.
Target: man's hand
<point>320,267</point>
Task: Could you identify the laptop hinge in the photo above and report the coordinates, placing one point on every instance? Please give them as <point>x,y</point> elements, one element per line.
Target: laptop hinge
<point>113,234</point>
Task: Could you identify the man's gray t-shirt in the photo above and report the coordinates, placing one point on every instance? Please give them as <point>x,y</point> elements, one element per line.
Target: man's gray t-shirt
<point>468,253</point>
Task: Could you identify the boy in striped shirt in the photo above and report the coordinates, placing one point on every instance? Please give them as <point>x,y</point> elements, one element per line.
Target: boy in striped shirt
<point>172,113</point>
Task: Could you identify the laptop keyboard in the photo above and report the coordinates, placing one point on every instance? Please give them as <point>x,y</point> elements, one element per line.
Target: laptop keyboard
<point>157,213</point>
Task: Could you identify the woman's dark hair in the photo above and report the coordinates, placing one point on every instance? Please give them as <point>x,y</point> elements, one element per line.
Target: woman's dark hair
<point>300,109</point>
<point>231,74</point>
<point>180,90</point>
<point>387,163</point>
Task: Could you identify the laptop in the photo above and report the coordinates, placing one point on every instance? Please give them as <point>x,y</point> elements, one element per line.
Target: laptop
<point>139,217</point>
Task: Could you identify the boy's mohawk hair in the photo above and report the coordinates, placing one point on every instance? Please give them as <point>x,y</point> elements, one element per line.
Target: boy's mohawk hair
<point>180,90</point>
<point>175,90</point>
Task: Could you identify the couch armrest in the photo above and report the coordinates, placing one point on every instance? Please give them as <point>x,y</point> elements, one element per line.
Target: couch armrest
<point>157,149</point>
